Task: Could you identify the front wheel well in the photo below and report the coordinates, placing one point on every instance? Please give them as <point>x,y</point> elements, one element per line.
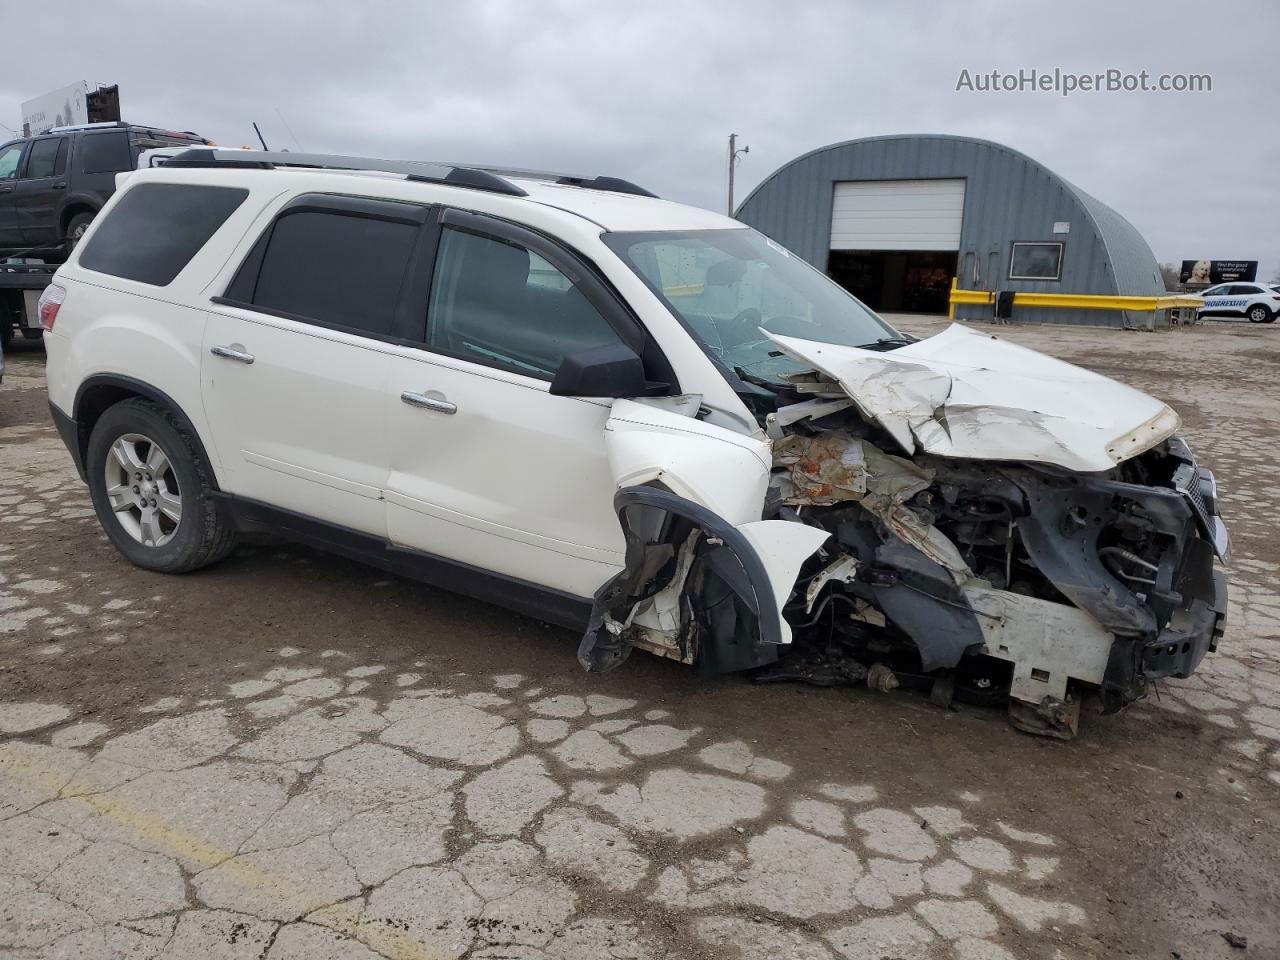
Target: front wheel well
<point>98,395</point>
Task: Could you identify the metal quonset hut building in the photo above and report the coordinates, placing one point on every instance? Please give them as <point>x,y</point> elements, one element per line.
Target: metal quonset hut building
<point>893,219</point>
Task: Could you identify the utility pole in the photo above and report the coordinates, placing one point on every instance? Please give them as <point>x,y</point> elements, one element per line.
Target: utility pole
<point>734,154</point>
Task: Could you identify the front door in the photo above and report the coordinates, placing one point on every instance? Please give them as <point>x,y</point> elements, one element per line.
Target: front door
<point>295,361</point>
<point>10,160</point>
<point>39,192</point>
<point>487,466</point>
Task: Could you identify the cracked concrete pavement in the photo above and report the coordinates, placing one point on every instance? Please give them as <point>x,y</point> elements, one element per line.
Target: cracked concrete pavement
<point>292,756</point>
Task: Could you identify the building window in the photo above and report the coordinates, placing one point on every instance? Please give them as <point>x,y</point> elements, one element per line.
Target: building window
<point>1036,261</point>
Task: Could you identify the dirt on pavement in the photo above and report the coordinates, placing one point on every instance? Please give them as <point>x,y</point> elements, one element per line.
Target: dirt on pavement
<point>292,755</point>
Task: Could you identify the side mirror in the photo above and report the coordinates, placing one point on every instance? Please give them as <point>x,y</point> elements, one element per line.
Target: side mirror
<point>611,370</point>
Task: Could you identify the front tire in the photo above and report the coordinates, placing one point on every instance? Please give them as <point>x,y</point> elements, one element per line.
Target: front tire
<point>152,490</point>
<point>1259,314</point>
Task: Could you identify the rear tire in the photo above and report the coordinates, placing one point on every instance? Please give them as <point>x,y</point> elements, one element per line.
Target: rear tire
<point>75,230</point>
<point>152,490</point>
<point>1260,314</point>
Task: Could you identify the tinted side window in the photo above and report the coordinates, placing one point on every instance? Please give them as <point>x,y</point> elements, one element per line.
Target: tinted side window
<point>105,152</point>
<point>338,270</point>
<point>494,302</point>
<point>156,228</point>
<point>43,160</point>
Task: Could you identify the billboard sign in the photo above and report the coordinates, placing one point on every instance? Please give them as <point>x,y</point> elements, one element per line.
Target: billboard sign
<point>59,108</point>
<point>1206,272</point>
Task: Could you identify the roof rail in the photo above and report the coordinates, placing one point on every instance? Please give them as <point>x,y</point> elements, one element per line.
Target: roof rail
<point>610,184</point>
<point>448,174</point>
<point>97,125</point>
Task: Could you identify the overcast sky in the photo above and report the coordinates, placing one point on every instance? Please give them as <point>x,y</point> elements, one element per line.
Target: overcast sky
<point>649,91</point>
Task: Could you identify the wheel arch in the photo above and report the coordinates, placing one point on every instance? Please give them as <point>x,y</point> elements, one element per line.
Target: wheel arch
<point>102,391</point>
<point>73,206</point>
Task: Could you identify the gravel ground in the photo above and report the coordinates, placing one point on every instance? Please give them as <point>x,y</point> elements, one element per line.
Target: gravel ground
<point>292,756</point>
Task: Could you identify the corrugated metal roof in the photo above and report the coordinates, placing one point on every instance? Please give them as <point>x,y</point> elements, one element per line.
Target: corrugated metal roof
<point>1009,197</point>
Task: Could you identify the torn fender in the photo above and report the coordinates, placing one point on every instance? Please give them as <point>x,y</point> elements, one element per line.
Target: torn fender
<point>724,471</point>
<point>696,587</point>
<point>970,395</point>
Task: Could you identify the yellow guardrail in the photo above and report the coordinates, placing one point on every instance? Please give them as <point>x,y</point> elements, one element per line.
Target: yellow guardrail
<point>1076,301</point>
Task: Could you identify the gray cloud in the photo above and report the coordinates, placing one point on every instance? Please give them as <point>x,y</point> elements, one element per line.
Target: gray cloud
<point>650,91</point>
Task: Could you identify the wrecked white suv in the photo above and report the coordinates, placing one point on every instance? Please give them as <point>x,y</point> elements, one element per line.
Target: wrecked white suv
<point>635,418</point>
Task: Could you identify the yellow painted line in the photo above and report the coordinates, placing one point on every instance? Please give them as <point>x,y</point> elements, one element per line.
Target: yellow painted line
<point>179,843</point>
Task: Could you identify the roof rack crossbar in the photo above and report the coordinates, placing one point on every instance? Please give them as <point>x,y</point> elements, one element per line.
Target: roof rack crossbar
<point>448,174</point>
<point>610,184</point>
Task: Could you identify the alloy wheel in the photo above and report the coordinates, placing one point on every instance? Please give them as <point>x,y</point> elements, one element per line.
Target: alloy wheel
<point>143,490</point>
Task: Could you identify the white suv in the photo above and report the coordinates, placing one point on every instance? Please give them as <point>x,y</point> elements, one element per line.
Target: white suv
<point>1258,302</point>
<point>636,418</point>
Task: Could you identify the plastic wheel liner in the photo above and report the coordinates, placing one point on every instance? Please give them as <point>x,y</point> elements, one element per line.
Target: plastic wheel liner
<point>722,601</point>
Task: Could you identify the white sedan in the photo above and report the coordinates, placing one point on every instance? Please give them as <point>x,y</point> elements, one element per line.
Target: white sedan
<point>1258,302</point>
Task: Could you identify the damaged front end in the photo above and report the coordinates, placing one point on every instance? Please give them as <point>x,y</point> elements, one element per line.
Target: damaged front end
<point>1024,580</point>
<point>1087,564</point>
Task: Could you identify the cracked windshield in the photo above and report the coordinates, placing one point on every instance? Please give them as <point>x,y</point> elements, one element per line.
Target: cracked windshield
<point>725,285</point>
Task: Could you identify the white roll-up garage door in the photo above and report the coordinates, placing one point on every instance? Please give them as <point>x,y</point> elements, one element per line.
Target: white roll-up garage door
<point>897,215</point>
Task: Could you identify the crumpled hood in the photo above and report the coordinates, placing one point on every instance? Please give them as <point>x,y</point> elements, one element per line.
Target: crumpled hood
<point>971,395</point>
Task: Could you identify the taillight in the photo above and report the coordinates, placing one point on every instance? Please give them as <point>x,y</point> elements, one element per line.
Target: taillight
<point>50,303</point>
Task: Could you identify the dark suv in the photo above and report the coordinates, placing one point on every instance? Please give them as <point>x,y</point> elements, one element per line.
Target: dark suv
<point>52,185</point>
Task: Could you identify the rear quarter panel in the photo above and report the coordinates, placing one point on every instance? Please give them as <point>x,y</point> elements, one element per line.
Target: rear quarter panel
<point>114,326</point>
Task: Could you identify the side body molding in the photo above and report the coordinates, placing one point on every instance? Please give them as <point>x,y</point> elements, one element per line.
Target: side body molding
<point>705,579</point>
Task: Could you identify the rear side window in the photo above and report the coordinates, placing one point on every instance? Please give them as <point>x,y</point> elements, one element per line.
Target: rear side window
<point>105,152</point>
<point>156,228</point>
<point>47,158</point>
<point>338,270</point>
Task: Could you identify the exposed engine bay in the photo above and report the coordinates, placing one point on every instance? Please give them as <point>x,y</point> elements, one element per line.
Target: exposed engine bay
<point>987,581</point>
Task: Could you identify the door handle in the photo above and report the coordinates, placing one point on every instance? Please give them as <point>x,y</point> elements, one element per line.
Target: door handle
<point>57,186</point>
<point>234,352</point>
<point>437,404</point>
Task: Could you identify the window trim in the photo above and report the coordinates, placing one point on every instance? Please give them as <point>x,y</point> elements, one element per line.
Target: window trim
<point>412,297</point>
<point>416,295</point>
<point>580,270</point>
<point>1062,252</point>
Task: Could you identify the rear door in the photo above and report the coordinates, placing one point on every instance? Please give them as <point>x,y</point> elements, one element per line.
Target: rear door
<point>296,357</point>
<point>41,189</point>
<point>10,162</point>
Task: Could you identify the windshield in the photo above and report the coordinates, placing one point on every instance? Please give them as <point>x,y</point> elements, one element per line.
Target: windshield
<point>727,284</point>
